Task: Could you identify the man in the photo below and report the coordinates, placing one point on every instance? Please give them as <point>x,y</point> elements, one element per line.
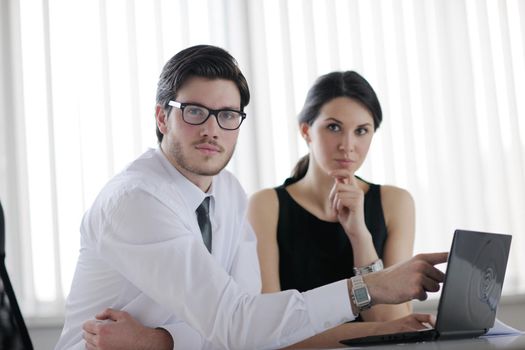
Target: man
<point>147,249</point>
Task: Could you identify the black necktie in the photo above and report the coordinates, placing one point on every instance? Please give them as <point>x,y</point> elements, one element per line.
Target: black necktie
<point>203,217</point>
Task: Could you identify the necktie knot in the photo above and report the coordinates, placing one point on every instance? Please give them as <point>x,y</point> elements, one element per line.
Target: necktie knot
<point>203,218</point>
<point>204,208</point>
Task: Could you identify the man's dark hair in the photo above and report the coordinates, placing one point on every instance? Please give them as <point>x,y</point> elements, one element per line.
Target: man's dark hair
<point>198,61</point>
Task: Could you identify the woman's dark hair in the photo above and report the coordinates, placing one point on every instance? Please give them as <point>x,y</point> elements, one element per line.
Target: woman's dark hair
<point>327,87</point>
<point>198,61</point>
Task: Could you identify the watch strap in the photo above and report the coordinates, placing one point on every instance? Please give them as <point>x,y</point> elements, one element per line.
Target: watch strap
<point>373,267</point>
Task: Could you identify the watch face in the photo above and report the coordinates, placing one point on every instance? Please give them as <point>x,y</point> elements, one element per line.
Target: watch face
<point>361,295</point>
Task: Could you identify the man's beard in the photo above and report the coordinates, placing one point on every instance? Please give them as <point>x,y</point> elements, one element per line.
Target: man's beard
<point>177,152</point>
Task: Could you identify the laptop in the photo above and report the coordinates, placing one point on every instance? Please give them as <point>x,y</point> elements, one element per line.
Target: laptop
<point>470,295</point>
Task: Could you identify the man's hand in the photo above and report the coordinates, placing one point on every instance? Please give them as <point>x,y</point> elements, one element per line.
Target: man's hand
<point>412,322</point>
<point>115,330</point>
<point>408,280</point>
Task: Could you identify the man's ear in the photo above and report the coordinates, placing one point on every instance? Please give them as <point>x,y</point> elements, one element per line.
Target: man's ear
<point>162,119</point>
<point>304,129</point>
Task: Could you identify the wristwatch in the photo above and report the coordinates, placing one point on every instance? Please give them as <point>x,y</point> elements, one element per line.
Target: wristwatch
<point>360,295</point>
<point>373,267</point>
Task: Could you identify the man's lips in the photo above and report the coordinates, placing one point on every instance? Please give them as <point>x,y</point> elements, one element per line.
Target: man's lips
<point>208,148</point>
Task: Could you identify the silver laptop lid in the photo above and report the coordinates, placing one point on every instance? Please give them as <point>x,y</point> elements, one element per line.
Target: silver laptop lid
<point>473,283</point>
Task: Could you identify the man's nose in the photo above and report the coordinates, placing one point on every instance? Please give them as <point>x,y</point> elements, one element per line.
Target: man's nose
<point>210,127</point>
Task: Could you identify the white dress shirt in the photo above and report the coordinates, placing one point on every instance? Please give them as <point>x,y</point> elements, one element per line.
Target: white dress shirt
<point>142,252</point>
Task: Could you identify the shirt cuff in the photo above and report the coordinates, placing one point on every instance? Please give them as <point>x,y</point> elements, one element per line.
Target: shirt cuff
<point>329,306</point>
<point>184,337</point>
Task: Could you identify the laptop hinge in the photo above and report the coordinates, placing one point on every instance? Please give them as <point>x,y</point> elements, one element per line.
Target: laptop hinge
<point>462,334</point>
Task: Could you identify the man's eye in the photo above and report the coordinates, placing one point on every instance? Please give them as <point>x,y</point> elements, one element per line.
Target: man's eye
<point>229,115</point>
<point>195,111</point>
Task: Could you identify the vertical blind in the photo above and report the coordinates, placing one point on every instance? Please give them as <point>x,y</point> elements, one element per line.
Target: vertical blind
<point>78,93</point>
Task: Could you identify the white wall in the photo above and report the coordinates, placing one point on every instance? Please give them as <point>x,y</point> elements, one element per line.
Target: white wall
<point>45,337</point>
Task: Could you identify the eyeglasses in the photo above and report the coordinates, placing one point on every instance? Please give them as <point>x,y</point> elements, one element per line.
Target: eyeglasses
<point>195,114</point>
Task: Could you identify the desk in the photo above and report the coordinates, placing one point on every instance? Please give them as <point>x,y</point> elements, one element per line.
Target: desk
<point>516,342</point>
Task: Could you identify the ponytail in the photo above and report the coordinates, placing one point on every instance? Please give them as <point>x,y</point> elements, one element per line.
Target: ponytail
<point>300,169</point>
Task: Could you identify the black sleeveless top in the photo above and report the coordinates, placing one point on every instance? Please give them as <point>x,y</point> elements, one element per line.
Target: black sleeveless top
<point>313,252</point>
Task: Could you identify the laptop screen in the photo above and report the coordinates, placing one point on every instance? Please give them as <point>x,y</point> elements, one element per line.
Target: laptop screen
<point>473,283</point>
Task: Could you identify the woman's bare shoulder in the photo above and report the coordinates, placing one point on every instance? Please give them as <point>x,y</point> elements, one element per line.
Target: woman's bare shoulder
<point>395,194</point>
<point>263,198</point>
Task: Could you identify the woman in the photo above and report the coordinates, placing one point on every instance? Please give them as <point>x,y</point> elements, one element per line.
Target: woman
<point>325,221</point>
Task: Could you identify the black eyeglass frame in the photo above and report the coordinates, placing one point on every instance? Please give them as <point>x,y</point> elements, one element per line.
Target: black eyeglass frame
<point>214,112</point>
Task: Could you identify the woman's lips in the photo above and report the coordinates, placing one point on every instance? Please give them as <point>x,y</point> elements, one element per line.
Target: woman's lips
<point>345,162</point>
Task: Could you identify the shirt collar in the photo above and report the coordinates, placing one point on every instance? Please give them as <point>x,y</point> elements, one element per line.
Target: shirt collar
<point>191,193</point>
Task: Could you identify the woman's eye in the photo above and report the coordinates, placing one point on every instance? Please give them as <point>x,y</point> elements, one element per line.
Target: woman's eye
<point>334,127</point>
<point>361,131</point>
